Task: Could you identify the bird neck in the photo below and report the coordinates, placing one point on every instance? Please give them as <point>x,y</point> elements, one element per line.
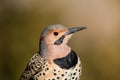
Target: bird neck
<point>54,51</point>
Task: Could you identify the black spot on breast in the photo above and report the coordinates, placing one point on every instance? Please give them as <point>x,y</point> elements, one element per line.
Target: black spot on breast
<point>67,62</point>
<point>47,68</point>
<point>31,78</point>
<point>43,73</point>
<point>73,77</point>
<point>58,77</point>
<point>65,78</point>
<point>40,74</point>
<point>76,78</point>
<point>62,75</point>
<point>76,69</point>
<point>54,69</point>
<point>74,73</point>
<point>54,73</point>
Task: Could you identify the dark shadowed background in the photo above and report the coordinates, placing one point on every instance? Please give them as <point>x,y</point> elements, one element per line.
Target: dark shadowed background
<point>22,21</point>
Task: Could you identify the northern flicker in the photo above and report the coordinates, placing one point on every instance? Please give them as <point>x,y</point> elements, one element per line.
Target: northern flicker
<point>55,59</point>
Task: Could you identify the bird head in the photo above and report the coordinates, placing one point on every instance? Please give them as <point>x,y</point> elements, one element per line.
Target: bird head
<point>56,35</point>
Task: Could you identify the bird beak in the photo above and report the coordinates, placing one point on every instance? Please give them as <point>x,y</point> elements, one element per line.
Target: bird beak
<point>70,31</point>
<point>73,30</point>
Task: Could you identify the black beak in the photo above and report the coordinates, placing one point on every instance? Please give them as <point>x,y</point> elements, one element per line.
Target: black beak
<point>70,31</point>
<point>73,30</point>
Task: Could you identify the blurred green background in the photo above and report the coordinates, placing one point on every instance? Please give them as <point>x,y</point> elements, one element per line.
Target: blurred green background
<point>22,21</point>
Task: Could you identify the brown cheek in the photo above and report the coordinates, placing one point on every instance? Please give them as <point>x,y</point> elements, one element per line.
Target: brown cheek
<point>48,40</point>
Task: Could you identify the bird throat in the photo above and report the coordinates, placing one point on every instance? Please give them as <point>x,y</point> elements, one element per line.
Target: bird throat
<point>52,52</point>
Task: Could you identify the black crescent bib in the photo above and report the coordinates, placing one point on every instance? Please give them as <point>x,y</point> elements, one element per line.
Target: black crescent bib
<point>67,62</point>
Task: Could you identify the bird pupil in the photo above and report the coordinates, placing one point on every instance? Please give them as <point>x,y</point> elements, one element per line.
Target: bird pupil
<point>55,33</point>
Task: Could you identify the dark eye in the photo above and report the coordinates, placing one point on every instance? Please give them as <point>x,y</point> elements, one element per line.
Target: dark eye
<point>55,33</point>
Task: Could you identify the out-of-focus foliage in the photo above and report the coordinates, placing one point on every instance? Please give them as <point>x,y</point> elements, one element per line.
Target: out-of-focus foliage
<point>21,22</point>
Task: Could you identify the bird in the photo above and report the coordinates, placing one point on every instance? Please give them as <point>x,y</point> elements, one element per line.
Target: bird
<point>55,60</point>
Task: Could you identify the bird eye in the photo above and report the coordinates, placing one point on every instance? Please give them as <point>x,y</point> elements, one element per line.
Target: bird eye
<point>55,33</point>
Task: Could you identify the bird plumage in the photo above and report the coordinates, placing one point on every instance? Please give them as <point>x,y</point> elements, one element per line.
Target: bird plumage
<point>55,59</point>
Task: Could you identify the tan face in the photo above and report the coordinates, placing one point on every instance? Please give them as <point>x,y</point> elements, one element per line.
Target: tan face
<point>53,35</point>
